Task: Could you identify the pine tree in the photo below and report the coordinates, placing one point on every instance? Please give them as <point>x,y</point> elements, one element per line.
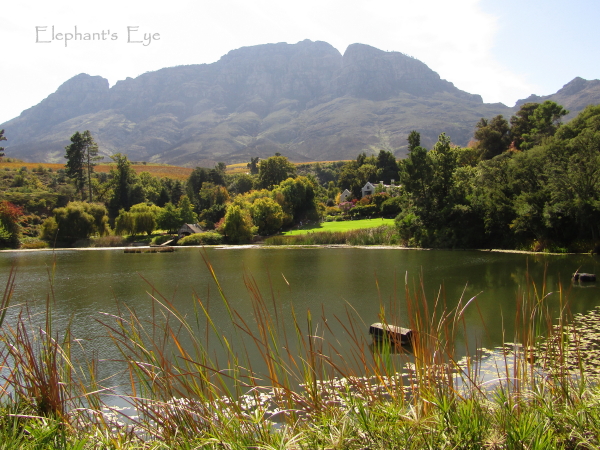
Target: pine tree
<point>2,138</point>
<point>81,156</point>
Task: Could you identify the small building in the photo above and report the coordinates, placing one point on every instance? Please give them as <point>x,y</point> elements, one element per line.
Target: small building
<point>189,228</point>
<point>344,195</point>
<point>368,189</point>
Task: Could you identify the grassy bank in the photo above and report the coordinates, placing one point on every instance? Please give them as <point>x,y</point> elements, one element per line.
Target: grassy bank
<point>307,392</point>
<point>381,235</point>
<point>341,226</point>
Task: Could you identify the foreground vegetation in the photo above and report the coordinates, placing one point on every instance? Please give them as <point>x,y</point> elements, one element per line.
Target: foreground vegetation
<point>305,394</point>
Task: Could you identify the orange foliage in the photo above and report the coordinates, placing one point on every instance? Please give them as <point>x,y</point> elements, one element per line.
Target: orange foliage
<point>157,170</point>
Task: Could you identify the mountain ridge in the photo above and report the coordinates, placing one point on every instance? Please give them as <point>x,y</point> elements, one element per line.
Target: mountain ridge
<point>306,101</point>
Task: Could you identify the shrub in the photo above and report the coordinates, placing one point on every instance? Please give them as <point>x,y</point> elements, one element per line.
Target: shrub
<point>31,243</point>
<point>364,211</point>
<point>392,206</point>
<point>333,211</point>
<point>109,241</point>
<point>208,238</point>
<point>10,229</point>
<point>78,220</point>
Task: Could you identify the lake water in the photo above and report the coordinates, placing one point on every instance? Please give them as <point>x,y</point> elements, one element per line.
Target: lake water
<point>330,282</point>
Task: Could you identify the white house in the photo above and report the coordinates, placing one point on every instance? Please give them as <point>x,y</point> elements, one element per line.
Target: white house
<point>344,195</point>
<point>369,188</point>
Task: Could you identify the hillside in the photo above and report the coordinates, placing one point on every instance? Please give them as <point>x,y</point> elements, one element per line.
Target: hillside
<point>304,100</point>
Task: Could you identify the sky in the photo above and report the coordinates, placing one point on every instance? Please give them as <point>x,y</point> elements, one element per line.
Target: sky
<point>502,50</point>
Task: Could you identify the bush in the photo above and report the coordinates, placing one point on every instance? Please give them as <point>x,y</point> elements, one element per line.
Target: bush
<point>392,206</point>
<point>31,243</point>
<point>208,238</point>
<point>109,241</point>
<point>364,211</point>
<point>78,220</point>
<point>333,211</point>
<point>10,229</point>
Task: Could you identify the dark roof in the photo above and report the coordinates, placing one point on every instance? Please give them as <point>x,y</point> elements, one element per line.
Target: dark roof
<point>194,228</point>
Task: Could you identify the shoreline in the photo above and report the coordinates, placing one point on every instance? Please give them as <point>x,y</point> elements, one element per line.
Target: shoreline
<point>289,247</point>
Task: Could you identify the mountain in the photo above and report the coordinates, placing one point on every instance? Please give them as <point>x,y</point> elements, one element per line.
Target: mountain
<point>574,96</point>
<point>305,100</point>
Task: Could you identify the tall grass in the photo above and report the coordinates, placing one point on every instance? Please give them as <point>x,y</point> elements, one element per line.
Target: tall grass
<point>310,389</point>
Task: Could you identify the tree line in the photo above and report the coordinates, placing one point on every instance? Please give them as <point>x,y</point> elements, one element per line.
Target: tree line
<point>529,182</point>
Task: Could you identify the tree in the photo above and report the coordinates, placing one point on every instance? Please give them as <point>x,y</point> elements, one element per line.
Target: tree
<point>414,140</point>
<point>123,178</point>
<point>267,215</point>
<point>387,167</point>
<point>152,187</point>
<point>169,218</point>
<point>253,165</point>
<point>493,136</point>
<point>125,223</point>
<point>10,229</point>
<point>444,163</point>
<point>417,170</point>
<point>211,195</point>
<point>186,210</point>
<point>144,218</point>
<point>81,156</point>
<point>145,222</point>
<point>194,182</point>
<point>297,198</point>
<point>274,170</point>
<point>77,220</point>
<point>2,138</point>
<point>534,122</point>
<point>237,224</point>
<point>75,158</point>
<point>521,124</point>
<point>242,183</point>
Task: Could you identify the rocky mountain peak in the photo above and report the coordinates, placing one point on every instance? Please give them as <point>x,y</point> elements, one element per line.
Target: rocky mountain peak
<point>576,85</point>
<point>304,100</point>
<point>81,94</point>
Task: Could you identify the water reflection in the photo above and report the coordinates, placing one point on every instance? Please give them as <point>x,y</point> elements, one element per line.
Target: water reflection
<point>334,284</point>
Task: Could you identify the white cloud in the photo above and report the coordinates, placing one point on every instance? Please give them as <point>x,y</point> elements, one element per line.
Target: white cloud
<point>453,38</point>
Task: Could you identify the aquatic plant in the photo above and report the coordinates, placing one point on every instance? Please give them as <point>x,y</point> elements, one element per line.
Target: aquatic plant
<point>310,389</point>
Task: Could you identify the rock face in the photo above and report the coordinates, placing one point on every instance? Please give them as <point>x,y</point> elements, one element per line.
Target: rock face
<point>304,100</point>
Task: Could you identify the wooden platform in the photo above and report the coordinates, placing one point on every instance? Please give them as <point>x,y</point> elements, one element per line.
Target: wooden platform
<point>584,276</point>
<point>392,333</point>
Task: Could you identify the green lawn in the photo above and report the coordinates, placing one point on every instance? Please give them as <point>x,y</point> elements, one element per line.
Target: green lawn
<point>339,226</point>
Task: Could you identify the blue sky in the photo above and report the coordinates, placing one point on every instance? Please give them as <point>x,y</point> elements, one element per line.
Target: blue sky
<point>502,50</point>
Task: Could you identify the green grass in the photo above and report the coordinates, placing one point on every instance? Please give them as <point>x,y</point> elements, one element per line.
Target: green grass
<point>347,225</point>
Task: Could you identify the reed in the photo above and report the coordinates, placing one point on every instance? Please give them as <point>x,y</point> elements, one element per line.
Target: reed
<point>310,389</point>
